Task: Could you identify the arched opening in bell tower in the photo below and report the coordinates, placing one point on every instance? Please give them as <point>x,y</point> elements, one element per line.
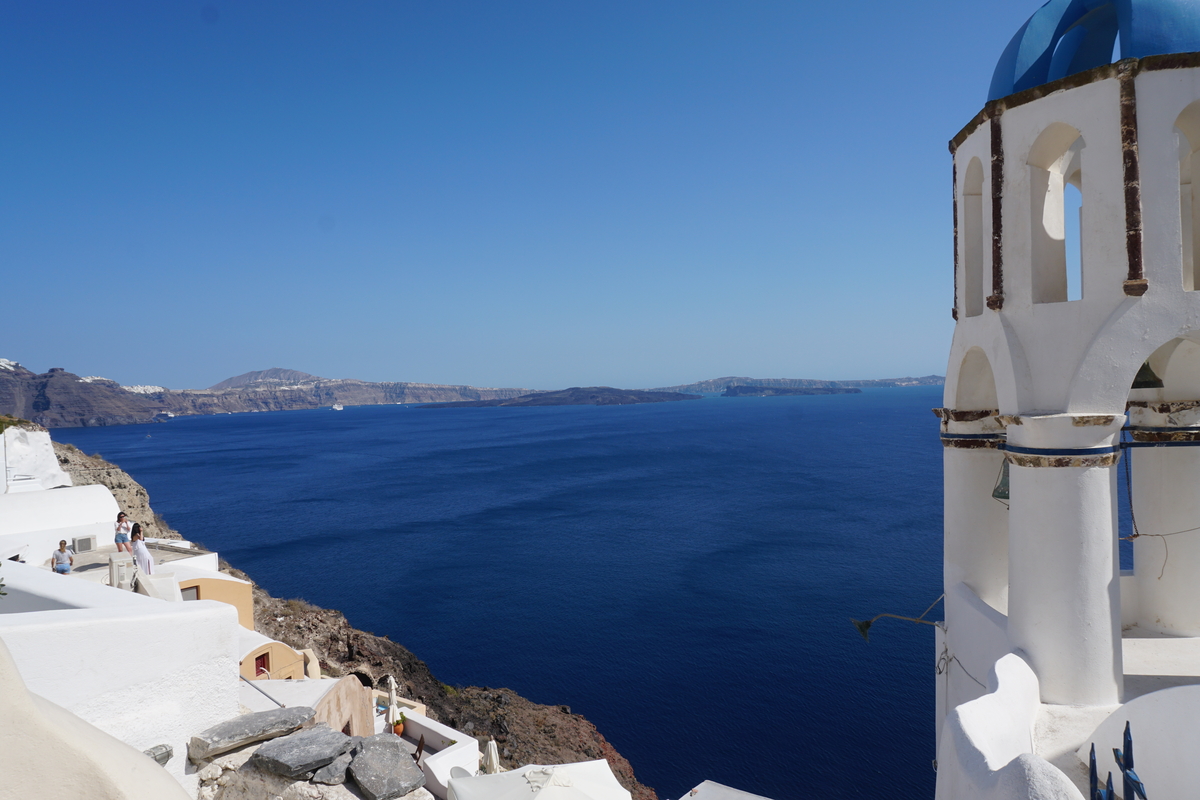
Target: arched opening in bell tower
<point>976,545</point>
<point>1056,246</point>
<point>1187,127</point>
<point>1163,471</point>
<point>973,283</point>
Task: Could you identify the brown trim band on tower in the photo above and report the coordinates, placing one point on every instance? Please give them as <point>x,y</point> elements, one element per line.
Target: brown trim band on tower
<point>995,300</point>
<point>1135,283</point>
<point>954,198</point>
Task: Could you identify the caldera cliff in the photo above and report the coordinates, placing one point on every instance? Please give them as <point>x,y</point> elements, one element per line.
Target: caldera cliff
<point>525,732</point>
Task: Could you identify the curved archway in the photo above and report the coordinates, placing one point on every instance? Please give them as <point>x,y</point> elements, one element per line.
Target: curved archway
<point>975,389</point>
<point>1164,469</point>
<point>972,205</point>
<point>1187,127</point>
<point>1056,162</point>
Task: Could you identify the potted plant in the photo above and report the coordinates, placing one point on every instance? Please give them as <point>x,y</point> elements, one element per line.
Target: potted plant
<point>398,727</point>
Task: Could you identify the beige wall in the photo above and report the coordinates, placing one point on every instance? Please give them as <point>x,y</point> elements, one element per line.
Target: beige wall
<point>348,702</point>
<point>235,593</point>
<point>285,663</point>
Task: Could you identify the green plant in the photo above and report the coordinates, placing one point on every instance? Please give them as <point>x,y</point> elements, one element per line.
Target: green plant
<point>863,626</point>
<point>9,421</point>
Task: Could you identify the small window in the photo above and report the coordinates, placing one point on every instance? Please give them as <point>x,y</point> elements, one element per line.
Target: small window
<point>191,593</point>
<point>262,665</point>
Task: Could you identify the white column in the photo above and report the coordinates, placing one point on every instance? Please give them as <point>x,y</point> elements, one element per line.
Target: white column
<point>1165,494</point>
<point>1064,587</point>
<point>976,524</point>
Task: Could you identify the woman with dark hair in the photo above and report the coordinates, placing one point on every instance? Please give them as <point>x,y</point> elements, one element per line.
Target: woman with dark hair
<point>123,527</point>
<point>141,553</point>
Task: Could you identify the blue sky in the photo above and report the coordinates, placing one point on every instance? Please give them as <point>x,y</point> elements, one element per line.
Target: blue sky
<point>534,194</point>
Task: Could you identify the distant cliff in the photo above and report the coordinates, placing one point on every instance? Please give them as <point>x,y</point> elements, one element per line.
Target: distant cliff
<point>576,396</point>
<point>738,390</point>
<point>526,732</point>
<point>61,399</point>
<point>719,385</point>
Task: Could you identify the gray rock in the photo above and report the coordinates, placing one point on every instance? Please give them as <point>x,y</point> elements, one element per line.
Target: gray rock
<point>334,772</point>
<point>383,769</point>
<point>305,751</point>
<point>247,729</point>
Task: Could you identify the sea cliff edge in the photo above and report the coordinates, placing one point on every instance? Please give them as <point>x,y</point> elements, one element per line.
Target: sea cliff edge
<point>525,732</point>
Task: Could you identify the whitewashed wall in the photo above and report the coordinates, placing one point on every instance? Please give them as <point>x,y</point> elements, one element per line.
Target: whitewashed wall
<point>986,750</point>
<point>33,523</point>
<point>29,461</point>
<point>144,671</point>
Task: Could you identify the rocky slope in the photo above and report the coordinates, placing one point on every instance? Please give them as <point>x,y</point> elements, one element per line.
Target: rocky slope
<point>525,732</point>
<point>61,399</point>
<point>131,496</point>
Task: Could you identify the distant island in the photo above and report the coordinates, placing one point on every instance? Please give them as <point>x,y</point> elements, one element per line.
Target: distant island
<point>737,390</point>
<point>575,396</point>
<point>61,399</point>
<point>716,386</point>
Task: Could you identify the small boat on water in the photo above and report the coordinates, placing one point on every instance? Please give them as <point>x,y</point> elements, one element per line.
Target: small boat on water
<point>338,407</point>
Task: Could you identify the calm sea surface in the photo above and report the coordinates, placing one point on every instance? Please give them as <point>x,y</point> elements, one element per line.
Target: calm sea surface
<point>682,574</point>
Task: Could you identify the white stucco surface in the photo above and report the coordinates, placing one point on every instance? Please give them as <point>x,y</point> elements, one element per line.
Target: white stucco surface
<point>143,670</point>
<point>288,693</point>
<point>986,750</point>
<point>32,523</point>
<point>29,461</point>
<point>48,753</point>
<point>711,790</point>
<point>1165,736</point>
<point>980,640</point>
<point>454,749</point>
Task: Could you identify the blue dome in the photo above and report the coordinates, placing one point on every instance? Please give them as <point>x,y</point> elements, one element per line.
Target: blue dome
<point>1068,36</point>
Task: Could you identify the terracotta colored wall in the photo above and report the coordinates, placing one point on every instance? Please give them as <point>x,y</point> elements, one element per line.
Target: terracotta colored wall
<point>348,701</point>
<point>235,593</point>
<point>285,662</point>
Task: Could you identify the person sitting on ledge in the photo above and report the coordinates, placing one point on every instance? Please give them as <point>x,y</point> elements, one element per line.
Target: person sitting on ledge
<point>64,559</point>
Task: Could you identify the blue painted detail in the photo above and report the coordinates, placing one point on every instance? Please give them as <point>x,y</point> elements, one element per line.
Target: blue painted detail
<point>1068,36</point>
<point>1160,444</point>
<point>1078,451</point>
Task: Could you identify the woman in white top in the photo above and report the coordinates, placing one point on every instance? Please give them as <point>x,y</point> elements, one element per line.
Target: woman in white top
<point>141,553</point>
<point>122,528</point>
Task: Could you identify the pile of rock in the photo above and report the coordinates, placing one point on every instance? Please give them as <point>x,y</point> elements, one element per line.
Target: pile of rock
<point>281,753</point>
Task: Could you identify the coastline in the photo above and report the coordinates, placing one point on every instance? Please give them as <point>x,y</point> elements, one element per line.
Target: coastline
<point>525,732</point>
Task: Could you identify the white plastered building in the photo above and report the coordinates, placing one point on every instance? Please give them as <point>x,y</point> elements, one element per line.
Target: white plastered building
<point>1063,307</point>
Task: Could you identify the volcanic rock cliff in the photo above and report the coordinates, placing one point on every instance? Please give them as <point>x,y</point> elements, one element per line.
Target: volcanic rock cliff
<point>61,399</point>
<point>525,732</point>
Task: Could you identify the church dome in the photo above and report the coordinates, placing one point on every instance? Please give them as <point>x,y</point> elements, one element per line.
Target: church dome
<point>1068,36</point>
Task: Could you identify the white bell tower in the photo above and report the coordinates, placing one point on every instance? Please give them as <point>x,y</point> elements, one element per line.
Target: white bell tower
<point>1076,348</point>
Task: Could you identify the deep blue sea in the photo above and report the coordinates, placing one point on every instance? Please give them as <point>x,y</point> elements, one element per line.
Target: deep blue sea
<point>682,574</point>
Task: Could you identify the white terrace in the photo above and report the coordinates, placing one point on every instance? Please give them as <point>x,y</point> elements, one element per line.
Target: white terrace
<point>149,667</point>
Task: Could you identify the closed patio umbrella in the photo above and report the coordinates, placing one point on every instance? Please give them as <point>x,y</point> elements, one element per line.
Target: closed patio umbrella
<point>585,780</point>
<point>393,710</point>
<point>491,758</point>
